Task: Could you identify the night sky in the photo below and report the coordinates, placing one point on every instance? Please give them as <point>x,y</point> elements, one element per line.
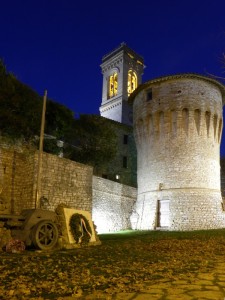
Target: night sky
<point>58,44</point>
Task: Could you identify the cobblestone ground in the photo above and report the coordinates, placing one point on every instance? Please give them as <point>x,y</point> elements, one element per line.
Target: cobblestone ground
<point>202,286</point>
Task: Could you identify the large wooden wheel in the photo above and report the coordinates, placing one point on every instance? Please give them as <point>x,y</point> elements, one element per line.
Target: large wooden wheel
<point>45,235</point>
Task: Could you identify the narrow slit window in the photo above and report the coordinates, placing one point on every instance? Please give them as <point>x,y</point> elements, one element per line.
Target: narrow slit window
<point>149,95</point>
<point>125,139</point>
<point>124,161</point>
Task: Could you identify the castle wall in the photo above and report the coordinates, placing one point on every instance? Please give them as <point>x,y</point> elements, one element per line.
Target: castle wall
<point>16,180</point>
<point>189,210</point>
<point>178,135</point>
<point>222,174</point>
<point>63,181</point>
<point>112,205</point>
<point>66,181</point>
<point>127,174</point>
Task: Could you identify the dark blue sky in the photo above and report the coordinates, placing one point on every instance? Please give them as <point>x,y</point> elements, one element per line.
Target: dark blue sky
<point>58,44</point>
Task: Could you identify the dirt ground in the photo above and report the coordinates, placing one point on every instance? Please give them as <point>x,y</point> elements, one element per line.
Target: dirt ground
<point>122,263</point>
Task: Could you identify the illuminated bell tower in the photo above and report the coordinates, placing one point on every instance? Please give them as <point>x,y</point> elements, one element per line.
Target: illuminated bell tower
<point>122,71</point>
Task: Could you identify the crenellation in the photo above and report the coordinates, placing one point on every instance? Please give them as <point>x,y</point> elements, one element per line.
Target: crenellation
<point>178,161</point>
<point>220,130</point>
<point>185,121</point>
<point>215,119</point>
<point>197,120</point>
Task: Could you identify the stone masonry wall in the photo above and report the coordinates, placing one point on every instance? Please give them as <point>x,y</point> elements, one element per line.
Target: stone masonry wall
<point>23,195</point>
<point>16,180</point>
<point>178,131</point>
<point>188,210</point>
<point>127,174</point>
<point>63,181</point>
<point>222,174</point>
<point>112,205</point>
<point>5,181</point>
<point>66,181</point>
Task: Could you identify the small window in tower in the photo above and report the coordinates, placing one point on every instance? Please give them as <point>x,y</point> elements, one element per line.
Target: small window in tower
<point>125,139</point>
<point>124,161</point>
<point>149,95</point>
<point>131,82</point>
<point>113,85</point>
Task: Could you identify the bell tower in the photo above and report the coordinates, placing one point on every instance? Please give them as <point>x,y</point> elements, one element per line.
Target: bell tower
<point>122,71</point>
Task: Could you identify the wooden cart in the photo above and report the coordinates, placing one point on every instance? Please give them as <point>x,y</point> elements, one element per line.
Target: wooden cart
<point>35,227</point>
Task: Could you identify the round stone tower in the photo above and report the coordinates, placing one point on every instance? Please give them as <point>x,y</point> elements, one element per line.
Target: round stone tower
<point>177,127</point>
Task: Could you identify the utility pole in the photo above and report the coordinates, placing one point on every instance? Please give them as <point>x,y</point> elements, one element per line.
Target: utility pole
<point>38,188</point>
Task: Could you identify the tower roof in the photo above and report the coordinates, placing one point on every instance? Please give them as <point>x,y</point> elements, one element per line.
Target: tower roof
<point>141,87</point>
<point>125,49</point>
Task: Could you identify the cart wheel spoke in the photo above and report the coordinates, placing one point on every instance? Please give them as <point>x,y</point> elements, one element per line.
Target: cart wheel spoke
<point>45,235</point>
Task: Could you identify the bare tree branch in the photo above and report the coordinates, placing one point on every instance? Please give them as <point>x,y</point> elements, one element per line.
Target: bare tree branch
<point>215,76</point>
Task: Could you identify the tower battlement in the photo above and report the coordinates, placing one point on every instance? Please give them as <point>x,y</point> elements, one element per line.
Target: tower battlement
<point>178,127</point>
<point>180,124</point>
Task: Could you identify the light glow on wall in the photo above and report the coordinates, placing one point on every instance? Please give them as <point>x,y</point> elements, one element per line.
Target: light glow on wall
<point>104,224</point>
<point>112,205</point>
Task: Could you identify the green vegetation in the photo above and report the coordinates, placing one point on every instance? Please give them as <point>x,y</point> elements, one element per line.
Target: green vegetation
<point>89,139</point>
<point>20,107</point>
<point>95,141</point>
<point>159,235</point>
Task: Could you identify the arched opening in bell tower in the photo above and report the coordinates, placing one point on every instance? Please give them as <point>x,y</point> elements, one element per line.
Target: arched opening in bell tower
<point>112,85</point>
<point>132,82</point>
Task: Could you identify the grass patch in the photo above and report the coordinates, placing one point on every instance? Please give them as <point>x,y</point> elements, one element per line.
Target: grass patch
<point>159,235</point>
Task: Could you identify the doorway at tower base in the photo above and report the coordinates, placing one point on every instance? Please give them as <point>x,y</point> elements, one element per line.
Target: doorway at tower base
<point>179,210</point>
